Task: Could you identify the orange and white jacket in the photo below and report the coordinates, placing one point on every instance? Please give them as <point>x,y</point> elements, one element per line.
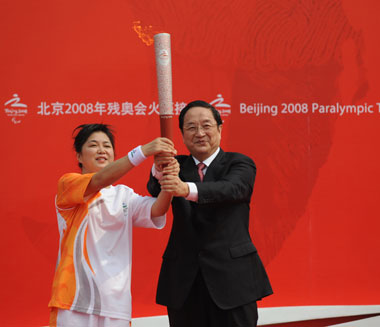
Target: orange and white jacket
<point>93,273</point>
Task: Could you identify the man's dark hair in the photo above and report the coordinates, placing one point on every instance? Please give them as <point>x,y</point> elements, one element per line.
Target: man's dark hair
<point>199,103</point>
<point>84,132</point>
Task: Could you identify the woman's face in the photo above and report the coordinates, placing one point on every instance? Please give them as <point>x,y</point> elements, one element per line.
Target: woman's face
<point>97,152</point>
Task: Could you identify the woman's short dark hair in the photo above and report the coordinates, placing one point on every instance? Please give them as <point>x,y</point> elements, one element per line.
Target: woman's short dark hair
<point>199,103</point>
<point>83,132</point>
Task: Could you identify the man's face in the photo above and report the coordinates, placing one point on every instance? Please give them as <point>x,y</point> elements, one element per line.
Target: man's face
<point>201,134</point>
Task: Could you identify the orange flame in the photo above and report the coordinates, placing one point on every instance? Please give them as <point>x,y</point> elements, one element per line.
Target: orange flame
<point>145,33</point>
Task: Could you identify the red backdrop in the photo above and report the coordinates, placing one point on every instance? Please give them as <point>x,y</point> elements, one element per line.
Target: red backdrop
<point>315,212</point>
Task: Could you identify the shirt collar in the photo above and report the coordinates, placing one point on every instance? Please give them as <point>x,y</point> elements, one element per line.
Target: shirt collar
<point>209,160</point>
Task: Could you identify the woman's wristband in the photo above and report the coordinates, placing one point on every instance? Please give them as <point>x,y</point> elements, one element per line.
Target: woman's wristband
<point>136,156</point>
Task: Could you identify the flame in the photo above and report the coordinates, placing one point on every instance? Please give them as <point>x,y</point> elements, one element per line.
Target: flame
<point>145,33</point>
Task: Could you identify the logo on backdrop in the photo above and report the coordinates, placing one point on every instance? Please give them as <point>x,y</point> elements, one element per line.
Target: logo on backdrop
<point>15,110</point>
<point>223,108</point>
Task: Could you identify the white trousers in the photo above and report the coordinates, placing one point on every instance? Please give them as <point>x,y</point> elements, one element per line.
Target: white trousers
<point>68,318</point>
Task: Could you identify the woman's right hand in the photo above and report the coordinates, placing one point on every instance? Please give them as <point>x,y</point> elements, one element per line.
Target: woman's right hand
<point>161,145</point>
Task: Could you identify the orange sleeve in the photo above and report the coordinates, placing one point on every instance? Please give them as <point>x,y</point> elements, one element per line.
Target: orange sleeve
<point>71,189</point>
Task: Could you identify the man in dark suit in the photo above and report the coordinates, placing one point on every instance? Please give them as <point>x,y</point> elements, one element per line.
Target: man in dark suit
<point>211,273</point>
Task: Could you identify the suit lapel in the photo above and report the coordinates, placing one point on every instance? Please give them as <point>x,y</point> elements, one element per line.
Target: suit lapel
<point>189,171</point>
<point>213,171</point>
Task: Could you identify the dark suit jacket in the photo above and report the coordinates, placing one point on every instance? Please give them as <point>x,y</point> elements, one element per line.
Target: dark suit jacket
<point>212,235</point>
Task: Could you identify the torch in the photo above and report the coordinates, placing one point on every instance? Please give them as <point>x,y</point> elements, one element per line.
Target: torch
<point>164,81</point>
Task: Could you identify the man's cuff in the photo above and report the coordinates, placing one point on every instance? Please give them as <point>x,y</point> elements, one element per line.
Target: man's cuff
<point>157,174</point>
<point>193,192</point>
